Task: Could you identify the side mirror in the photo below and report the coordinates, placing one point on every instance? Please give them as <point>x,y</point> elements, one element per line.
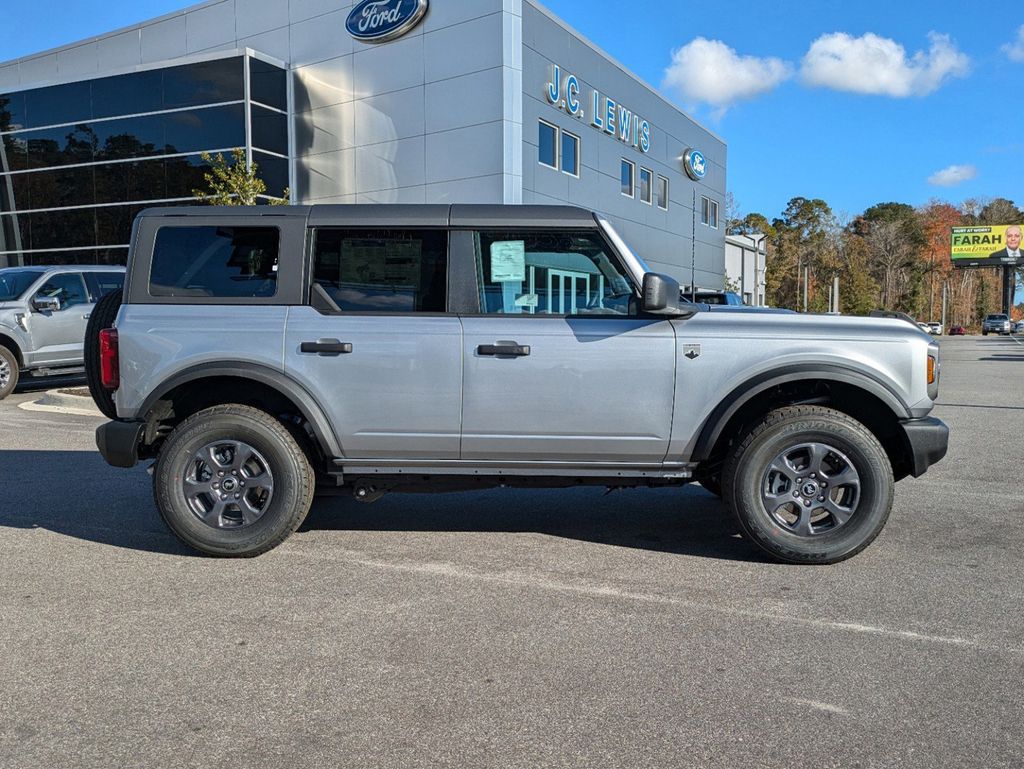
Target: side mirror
<point>46,304</point>
<point>661,295</point>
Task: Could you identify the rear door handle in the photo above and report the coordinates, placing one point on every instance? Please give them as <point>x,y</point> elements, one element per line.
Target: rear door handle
<point>326,347</point>
<point>511,350</point>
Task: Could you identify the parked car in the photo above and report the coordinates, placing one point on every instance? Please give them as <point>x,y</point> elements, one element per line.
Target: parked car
<point>996,323</point>
<point>957,331</point>
<point>924,327</point>
<point>935,328</point>
<point>443,348</point>
<point>43,317</point>
<point>1018,327</point>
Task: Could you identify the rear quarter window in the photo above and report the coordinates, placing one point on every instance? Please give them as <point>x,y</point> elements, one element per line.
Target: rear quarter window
<point>215,262</point>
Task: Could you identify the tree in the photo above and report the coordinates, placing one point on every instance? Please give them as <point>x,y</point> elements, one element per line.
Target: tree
<point>1001,211</point>
<point>234,183</point>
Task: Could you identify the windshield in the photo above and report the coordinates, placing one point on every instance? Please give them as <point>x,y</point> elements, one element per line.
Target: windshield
<point>997,317</point>
<point>14,283</point>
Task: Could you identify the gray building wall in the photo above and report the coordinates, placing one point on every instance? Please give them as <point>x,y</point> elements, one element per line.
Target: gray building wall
<point>662,238</point>
<point>447,113</point>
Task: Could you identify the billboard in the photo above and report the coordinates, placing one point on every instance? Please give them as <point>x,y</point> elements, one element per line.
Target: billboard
<point>987,246</point>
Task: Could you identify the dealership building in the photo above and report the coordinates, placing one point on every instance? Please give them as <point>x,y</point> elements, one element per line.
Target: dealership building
<point>380,101</point>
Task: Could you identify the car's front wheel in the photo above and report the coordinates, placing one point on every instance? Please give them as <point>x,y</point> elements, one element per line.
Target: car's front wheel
<point>232,481</point>
<point>8,372</point>
<point>809,485</point>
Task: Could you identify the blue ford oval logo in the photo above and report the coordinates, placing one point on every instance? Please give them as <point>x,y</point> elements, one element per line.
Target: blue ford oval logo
<point>377,21</point>
<point>695,164</point>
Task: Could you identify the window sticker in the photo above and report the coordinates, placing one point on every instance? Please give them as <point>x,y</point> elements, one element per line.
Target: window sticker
<point>508,261</point>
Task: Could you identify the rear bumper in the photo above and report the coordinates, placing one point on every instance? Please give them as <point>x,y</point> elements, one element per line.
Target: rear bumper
<point>927,442</point>
<point>118,442</point>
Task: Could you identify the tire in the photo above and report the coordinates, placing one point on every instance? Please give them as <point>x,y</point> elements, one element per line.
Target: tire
<point>263,452</point>
<point>9,372</point>
<point>103,315</point>
<point>768,469</point>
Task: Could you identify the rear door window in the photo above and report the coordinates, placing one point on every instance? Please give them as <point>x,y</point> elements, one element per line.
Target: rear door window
<point>392,270</point>
<point>102,283</point>
<point>219,262</point>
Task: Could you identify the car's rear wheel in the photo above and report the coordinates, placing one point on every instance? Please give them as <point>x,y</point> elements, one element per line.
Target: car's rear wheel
<point>232,481</point>
<point>809,485</point>
<point>103,316</point>
<point>8,372</point>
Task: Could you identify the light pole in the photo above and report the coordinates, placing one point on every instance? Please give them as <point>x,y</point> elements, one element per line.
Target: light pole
<point>757,243</point>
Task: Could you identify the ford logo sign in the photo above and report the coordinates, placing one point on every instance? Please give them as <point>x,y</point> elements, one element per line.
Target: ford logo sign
<point>695,164</point>
<point>378,21</point>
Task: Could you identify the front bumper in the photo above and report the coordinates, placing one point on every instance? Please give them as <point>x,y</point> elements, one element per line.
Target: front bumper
<point>118,442</point>
<point>927,442</point>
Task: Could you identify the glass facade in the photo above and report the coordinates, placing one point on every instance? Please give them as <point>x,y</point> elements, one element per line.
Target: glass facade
<point>79,160</point>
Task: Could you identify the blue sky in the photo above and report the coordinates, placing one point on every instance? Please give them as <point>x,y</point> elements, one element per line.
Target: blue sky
<point>853,102</point>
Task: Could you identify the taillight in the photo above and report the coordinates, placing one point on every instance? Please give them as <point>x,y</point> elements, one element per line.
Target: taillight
<point>110,370</point>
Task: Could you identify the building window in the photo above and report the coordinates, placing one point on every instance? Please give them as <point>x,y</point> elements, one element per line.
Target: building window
<point>570,153</point>
<point>709,212</point>
<point>646,178</point>
<point>554,145</point>
<point>663,193</point>
<point>628,175</point>
<point>83,158</point>
<point>547,145</point>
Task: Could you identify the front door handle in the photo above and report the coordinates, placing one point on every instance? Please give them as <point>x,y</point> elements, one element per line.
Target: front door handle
<point>501,350</point>
<point>326,347</point>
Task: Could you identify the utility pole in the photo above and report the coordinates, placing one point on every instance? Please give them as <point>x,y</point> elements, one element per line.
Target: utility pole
<point>945,299</point>
<point>835,293</point>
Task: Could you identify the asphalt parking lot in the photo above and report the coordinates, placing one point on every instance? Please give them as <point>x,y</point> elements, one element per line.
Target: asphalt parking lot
<point>516,628</point>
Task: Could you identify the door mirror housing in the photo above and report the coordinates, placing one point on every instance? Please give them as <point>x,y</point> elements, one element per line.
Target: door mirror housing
<point>661,295</point>
<point>46,304</point>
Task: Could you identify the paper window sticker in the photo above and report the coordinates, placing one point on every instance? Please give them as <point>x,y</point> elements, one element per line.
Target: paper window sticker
<point>508,261</point>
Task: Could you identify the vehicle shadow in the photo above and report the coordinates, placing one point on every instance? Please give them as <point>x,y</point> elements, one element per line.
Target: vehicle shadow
<point>682,521</point>
<point>76,494</point>
<point>30,384</point>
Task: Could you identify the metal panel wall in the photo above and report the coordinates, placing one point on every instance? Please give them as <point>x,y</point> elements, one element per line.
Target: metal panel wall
<point>662,238</point>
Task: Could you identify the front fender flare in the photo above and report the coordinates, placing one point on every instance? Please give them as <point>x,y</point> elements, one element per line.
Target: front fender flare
<point>711,429</point>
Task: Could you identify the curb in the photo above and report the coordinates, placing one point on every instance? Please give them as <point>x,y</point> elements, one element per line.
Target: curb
<point>56,402</point>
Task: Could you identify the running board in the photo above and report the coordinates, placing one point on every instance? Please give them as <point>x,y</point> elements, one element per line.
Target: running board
<point>666,470</point>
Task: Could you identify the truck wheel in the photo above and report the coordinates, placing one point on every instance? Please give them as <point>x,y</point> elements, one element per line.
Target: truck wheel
<point>103,316</point>
<point>809,485</point>
<point>232,481</point>
<point>8,372</point>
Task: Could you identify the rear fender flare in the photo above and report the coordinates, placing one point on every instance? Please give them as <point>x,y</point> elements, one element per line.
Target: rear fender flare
<point>304,401</point>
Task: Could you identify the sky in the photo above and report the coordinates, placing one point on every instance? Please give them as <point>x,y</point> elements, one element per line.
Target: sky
<point>856,103</point>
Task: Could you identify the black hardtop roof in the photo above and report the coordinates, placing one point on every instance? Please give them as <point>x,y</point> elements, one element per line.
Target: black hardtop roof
<point>392,215</point>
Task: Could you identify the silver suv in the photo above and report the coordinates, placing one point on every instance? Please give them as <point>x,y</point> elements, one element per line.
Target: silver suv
<point>43,317</point>
<point>261,355</point>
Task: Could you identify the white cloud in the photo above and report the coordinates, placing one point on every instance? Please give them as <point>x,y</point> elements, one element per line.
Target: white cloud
<point>953,175</point>
<point>710,72</point>
<point>1015,50</point>
<point>878,65</point>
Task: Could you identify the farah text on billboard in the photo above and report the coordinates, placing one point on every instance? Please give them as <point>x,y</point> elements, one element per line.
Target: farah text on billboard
<point>987,246</point>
